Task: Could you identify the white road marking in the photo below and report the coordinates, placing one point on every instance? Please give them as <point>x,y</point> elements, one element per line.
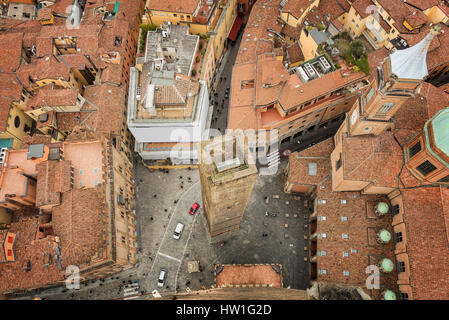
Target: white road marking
<point>167,256</point>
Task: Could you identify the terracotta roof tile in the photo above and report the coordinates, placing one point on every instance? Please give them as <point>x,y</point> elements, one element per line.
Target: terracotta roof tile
<point>401,12</point>
<point>237,275</point>
<point>53,178</point>
<point>78,222</point>
<point>426,216</point>
<point>424,4</point>
<point>186,6</point>
<point>52,98</point>
<point>292,32</point>
<point>294,53</point>
<point>296,7</point>
<point>299,163</point>
<point>10,51</point>
<point>43,68</point>
<point>10,91</point>
<point>13,276</point>
<point>361,7</point>
<point>256,39</point>
<point>110,102</point>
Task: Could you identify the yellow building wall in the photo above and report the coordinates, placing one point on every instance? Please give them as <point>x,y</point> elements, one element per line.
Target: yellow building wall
<point>198,29</point>
<point>207,70</point>
<point>296,64</point>
<point>159,17</point>
<point>76,80</point>
<point>218,35</point>
<point>354,23</point>
<point>224,25</point>
<point>308,46</point>
<point>11,130</point>
<point>295,21</point>
<point>289,19</point>
<point>436,15</point>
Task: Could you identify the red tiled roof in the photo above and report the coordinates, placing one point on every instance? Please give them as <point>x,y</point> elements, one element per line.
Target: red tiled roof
<point>10,91</point>
<point>401,12</point>
<point>424,4</point>
<point>185,6</point>
<point>78,222</point>
<point>110,102</point>
<point>292,32</point>
<point>235,275</point>
<point>294,53</point>
<point>296,7</point>
<point>10,51</point>
<point>43,68</point>
<point>44,14</point>
<point>361,7</point>
<point>13,276</point>
<point>52,98</point>
<point>36,138</point>
<point>299,163</point>
<point>53,178</point>
<point>256,39</point>
<point>371,155</point>
<point>426,216</point>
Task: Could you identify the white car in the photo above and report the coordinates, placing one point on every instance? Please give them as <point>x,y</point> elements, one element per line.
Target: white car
<point>160,281</point>
<point>178,230</point>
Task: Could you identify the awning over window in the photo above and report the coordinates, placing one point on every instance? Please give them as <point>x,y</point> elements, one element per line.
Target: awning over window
<point>235,28</point>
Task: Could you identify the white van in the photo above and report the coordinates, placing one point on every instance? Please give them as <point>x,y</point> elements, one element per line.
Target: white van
<point>160,281</point>
<point>178,230</point>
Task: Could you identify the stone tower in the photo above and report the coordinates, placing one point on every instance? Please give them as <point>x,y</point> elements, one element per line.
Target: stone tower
<point>227,174</point>
<point>398,78</point>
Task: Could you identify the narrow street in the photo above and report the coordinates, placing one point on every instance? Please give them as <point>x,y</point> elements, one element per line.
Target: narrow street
<point>219,93</point>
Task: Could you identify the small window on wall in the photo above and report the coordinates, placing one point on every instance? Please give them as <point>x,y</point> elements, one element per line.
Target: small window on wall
<point>426,167</point>
<point>370,95</point>
<point>401,266</point>
<point>445,179</point>
<point>17,121</point>
<point>395,210</point>
<point>386,108</point>
<point>338,163</point>
<point>403,295</point>
<point>397,237</point>
<point>415,149</point>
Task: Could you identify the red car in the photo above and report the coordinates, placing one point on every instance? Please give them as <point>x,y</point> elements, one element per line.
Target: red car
<point>194,208</point>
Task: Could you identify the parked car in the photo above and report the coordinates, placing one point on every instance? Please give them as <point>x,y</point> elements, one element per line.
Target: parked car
<point>178,230</point>
<point>160,281</point>
<point>194,208</point>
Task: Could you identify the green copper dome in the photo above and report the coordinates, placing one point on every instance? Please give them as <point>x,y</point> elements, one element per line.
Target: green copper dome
<point>387,265</point>
<point>440,125</point>
<point>382,207</point>
<point>389,295</point>
<point>385,236</point>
